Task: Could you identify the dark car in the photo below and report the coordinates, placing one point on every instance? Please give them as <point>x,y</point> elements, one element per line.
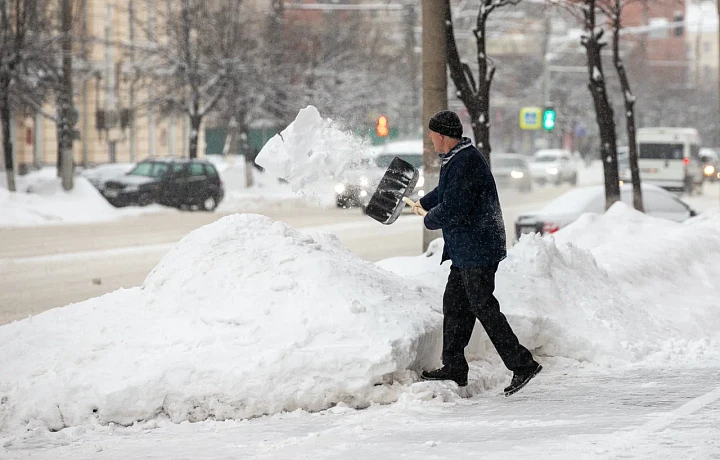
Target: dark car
<point>180,183</point>
<point>711,164</point>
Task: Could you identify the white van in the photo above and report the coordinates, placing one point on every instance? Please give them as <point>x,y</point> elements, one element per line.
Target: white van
<point>670,158</point>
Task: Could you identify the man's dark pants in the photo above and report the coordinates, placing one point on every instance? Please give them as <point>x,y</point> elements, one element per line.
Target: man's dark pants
<point>469,295</point>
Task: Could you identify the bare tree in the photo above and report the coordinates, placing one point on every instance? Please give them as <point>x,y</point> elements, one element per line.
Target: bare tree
<point>592,40</point>
<point>25,57</point>
<point>475,92</point>
<point>192,60</point>
<point>344,67</point>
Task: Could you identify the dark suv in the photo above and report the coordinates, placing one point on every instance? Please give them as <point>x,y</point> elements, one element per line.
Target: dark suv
<point>181,183</point>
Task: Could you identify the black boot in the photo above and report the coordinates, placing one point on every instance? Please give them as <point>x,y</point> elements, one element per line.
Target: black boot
<point>520,379</point>
<point>446,373</point>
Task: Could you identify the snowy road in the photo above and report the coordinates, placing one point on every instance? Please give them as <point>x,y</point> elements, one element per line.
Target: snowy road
<point>566,413</point>
<point>51,266</point>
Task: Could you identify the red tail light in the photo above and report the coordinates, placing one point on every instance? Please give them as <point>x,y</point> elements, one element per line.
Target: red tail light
<point>550,228</point>
<point>686,161</point>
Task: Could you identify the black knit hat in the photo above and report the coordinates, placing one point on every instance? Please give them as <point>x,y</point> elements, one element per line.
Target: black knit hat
<point>446,123</point>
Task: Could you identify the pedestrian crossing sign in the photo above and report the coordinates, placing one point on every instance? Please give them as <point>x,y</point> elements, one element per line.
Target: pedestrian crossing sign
<point>530,118</point>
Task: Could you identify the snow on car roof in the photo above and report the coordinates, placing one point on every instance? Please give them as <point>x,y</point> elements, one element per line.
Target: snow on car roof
<point>581,199</point>
<point>553,152</point>
<point>573,201</point>
<point>407,147</point>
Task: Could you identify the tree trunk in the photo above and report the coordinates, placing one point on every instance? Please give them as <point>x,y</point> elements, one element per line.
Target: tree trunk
<point>243,136</point>
<point>66,100</point>
<point>481,118</point>
<point>474,95</point>
<point>629,110</point>
<point>6,120</point>
<point>195,122</point>
<point>603,109</point>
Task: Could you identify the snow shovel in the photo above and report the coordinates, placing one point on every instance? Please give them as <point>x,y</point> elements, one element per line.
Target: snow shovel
<point>397,183</point>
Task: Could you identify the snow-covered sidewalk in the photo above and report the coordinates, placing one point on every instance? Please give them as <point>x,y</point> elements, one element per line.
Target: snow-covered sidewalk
<point>567,413</point>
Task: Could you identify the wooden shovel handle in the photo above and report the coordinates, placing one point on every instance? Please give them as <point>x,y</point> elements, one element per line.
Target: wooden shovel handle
<point>410,202</point>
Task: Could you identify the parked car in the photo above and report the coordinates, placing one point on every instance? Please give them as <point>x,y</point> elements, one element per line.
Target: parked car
<point>511,171</point>
<point>180,183</point>
<point>360,183</point>
<point>711,164</point>
<point>554,166</point>
<point>568,207</point>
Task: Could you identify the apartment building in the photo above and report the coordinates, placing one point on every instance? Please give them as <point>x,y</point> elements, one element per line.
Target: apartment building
<point>115,122</point>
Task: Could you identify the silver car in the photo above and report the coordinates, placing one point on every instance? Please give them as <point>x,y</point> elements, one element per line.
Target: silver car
<point>568,207</point>
<point>554,166</point>
<point>510,170</point>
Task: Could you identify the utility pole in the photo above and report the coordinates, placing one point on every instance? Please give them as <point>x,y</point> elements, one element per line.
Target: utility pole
<point>546,74</point>
<point>698,58</point>
<point>434,74</point>
<point>67,112</point>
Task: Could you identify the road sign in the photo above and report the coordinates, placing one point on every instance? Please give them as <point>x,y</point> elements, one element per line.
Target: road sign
<point>530,118</point>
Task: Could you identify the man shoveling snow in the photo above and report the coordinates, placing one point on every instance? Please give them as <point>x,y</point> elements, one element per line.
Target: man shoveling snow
<point>466,207</point>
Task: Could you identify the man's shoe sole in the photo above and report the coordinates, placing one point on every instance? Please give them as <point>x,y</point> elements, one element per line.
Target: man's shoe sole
<point>460,384</point>
<point>524,382</point>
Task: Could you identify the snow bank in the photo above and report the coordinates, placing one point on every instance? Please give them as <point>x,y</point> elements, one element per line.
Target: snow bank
<point>40,199</point>
<point>243,317</point>
<point>311,154</point>
<point>247,317</point>
<point>609,289</point>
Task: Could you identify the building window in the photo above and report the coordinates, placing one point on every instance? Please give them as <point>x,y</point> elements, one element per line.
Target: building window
<point>706,47</point>
<point>678,16</point>
<point>658,28</point>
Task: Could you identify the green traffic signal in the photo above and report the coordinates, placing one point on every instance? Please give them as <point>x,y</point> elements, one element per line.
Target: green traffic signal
<point>549,117</point>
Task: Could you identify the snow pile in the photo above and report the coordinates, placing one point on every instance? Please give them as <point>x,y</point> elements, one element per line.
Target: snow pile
<point>312,154</point>
<point>243,317</point>
<point>246,317</point>
<point>609,289</point>
<point>40,199</point>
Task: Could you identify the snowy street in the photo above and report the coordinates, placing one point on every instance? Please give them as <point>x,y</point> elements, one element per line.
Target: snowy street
<point>664,412</point>
<point>51,266</point>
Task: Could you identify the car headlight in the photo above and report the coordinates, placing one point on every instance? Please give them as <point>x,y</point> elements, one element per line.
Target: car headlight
<point>517,174</point>
<point>131,188</point>
<point>364,181</point>
<point>340,188</point>
<point>421,193</point>
<point>552,171</point>
<point>709,170</point>
<point>420,182</point>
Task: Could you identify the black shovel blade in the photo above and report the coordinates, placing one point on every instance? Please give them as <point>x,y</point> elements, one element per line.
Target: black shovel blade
<point>399,181</point>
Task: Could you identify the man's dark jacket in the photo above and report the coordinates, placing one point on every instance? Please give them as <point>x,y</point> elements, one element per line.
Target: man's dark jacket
<point>466,207</point>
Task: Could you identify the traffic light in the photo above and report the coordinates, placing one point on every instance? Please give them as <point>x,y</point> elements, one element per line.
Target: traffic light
<point>548,120</point>
<point>382,128</point>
